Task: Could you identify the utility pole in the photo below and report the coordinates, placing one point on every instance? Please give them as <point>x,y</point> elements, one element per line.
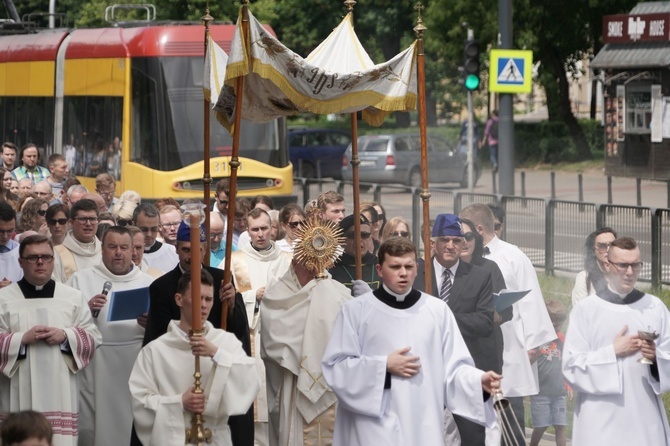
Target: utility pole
<point>471,72</point>
<point>471,133</point>
<point>506,111</point>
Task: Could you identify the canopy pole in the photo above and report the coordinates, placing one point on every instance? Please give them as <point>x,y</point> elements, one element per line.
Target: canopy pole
<point>419,29</point>
<point>206,176</point>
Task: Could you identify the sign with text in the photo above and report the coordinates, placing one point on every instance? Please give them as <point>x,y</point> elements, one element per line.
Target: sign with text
<point>623,28</point>
<point>511,71</point>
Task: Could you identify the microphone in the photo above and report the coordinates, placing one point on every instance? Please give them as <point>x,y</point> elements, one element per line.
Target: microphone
<point>105,290</point>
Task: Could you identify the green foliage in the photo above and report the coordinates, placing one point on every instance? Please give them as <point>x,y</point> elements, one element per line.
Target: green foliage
<point>549,142</point>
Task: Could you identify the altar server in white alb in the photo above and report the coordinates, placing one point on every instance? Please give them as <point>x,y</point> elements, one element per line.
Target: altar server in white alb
<point>161,382</point>
<point>105,416</point>
<point>47,335</point>
<point>396,359</point>
<point>618,397</point>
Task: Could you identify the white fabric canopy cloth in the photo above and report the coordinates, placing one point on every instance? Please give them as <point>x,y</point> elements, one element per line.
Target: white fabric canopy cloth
<point>338,77</point>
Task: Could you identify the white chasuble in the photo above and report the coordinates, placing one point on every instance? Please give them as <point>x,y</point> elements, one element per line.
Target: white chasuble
<point>105,416</point>
<point>411,411</point>
<point>297,322</point>
<point>164,371</point>
<point>618,400</point>
<point>45,379</point>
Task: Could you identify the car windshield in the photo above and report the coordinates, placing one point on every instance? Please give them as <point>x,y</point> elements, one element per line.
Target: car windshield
<point>373,145</point>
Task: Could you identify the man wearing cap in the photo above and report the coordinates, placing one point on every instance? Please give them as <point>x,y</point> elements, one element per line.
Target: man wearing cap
<point>344,270</point>
<point>254,265</point>
<point>104,416</point>
<point>466,288</point>
<point>163,309</point>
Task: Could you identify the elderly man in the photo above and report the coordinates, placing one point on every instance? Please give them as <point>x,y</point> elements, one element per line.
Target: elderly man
<point>159,255</point>
<point>10,271</point>
<point>164,309</point>
<point>618,397</point>
<point>254,265</point>
<point>530,327</point>
<point>80,248</point>
<point>161,383</point>
<point>43,190</point>
<point>26,186</point>
<point>105,419</point>
<point>73,194</point>
<point>99,201</point>
<point>29,167</point>
<point>47,335</point>
<point>217,236</point>
<point>58,168</point>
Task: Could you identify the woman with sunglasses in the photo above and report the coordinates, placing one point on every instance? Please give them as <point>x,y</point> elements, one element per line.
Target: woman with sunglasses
<point>33,219</point>
<point>122,212</point>
<point>396,227</point>
<point>58,220</point>
<point>591,280</point>
<point>291,218</point>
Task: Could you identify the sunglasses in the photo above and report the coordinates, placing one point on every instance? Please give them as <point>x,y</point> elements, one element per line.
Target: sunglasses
<point>400,234</point>
<point>602,246</point>
<point>60,221</point>
<point>295,224</point>
<point>469,236</point>
<point>364,235</point>
<point>42,212</point>
<point>123,222</point>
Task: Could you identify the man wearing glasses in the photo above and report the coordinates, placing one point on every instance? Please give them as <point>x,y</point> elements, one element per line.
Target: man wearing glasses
<point>344,270</point>
<point>47,335</point>
<point>619,395</point>
<point>105,186</point>
<point>158,255</point>
<point>170,218</point>
<point>10,271</point>
<point>80,248</point>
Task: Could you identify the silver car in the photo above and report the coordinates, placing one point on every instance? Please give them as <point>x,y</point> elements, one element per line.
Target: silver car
<point>397,159</point>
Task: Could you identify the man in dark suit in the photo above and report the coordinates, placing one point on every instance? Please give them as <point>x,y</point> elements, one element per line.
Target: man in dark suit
<point>163,309</point>
<point>466,288</point>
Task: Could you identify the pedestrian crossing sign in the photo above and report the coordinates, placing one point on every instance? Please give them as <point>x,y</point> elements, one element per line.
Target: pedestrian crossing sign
<point>510,71</point>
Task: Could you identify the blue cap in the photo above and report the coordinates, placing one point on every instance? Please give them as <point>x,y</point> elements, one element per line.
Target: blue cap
<point>184,233</point>
<point>447,225</point>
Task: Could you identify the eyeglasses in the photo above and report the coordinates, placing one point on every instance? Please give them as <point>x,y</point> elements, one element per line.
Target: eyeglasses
<point>41,212</point>
<point>172,224</point>
<point>623,267</point>
<point>469,236</point>
<point>42,194</point>
<point>497,226</point>
<point>364,235</point>
<point>106,194</point>
<point>60,221</point>
<point>84,220</point>
<point>400,234</point>
<point>151,229</point>
<point>123,222</point>
<point>295,224</point>
<point>214,235</point>
<point>602,246</point>
<point>47,258</point>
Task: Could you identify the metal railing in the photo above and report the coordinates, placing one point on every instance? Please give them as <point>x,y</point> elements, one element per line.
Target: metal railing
<point>550,232</point>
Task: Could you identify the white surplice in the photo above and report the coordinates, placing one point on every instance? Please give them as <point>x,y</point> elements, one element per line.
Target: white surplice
<point>530,326</point>
<point>297,322</point>
<point>618,400</point>
<point>9,264</point>
<point>72,255</point>
<point>105,416</point>
<point>45,380</point>
<point>164,371</point>
<point>411,412</point>
<point>252,270</point>
<point>164,259</point>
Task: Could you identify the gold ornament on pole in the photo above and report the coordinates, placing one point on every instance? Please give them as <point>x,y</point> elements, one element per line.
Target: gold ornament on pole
<point>318,245</point>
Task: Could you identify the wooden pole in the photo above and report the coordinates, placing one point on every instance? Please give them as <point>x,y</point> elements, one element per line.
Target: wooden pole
<point>206,176</point>
<point>234,164</point>
<point>419,29</point>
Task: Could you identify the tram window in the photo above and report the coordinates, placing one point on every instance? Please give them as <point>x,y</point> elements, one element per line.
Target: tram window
<point>28,120</point>
<point>144,126</point>
<point>93,124</point>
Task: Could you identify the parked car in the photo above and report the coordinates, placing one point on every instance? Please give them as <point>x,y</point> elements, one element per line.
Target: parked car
<point>315,152</point>
<point>397,159</point>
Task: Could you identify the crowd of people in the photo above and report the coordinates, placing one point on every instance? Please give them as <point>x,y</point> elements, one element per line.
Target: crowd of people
<point>303,356</point>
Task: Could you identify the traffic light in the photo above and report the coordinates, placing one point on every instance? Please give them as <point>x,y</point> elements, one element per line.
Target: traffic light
<point>471,64</point>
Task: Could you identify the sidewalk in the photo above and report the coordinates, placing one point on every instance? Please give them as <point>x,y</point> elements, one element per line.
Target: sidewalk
<point>624,190</point>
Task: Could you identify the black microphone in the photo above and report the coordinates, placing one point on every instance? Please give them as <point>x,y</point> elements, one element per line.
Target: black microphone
<point>105,290</point>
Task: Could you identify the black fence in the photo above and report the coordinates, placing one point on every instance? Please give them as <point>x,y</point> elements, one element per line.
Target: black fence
<point>551,232</point>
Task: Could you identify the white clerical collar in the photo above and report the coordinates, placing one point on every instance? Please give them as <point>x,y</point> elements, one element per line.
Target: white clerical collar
<point>621,296</point>
<point>398,297</point>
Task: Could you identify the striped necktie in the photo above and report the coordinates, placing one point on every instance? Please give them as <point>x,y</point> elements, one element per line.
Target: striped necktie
<point>445,289</point>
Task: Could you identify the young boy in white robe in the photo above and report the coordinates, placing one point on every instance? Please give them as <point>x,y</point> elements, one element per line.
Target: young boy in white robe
<point>396,359</point>
<point>161,383</point>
